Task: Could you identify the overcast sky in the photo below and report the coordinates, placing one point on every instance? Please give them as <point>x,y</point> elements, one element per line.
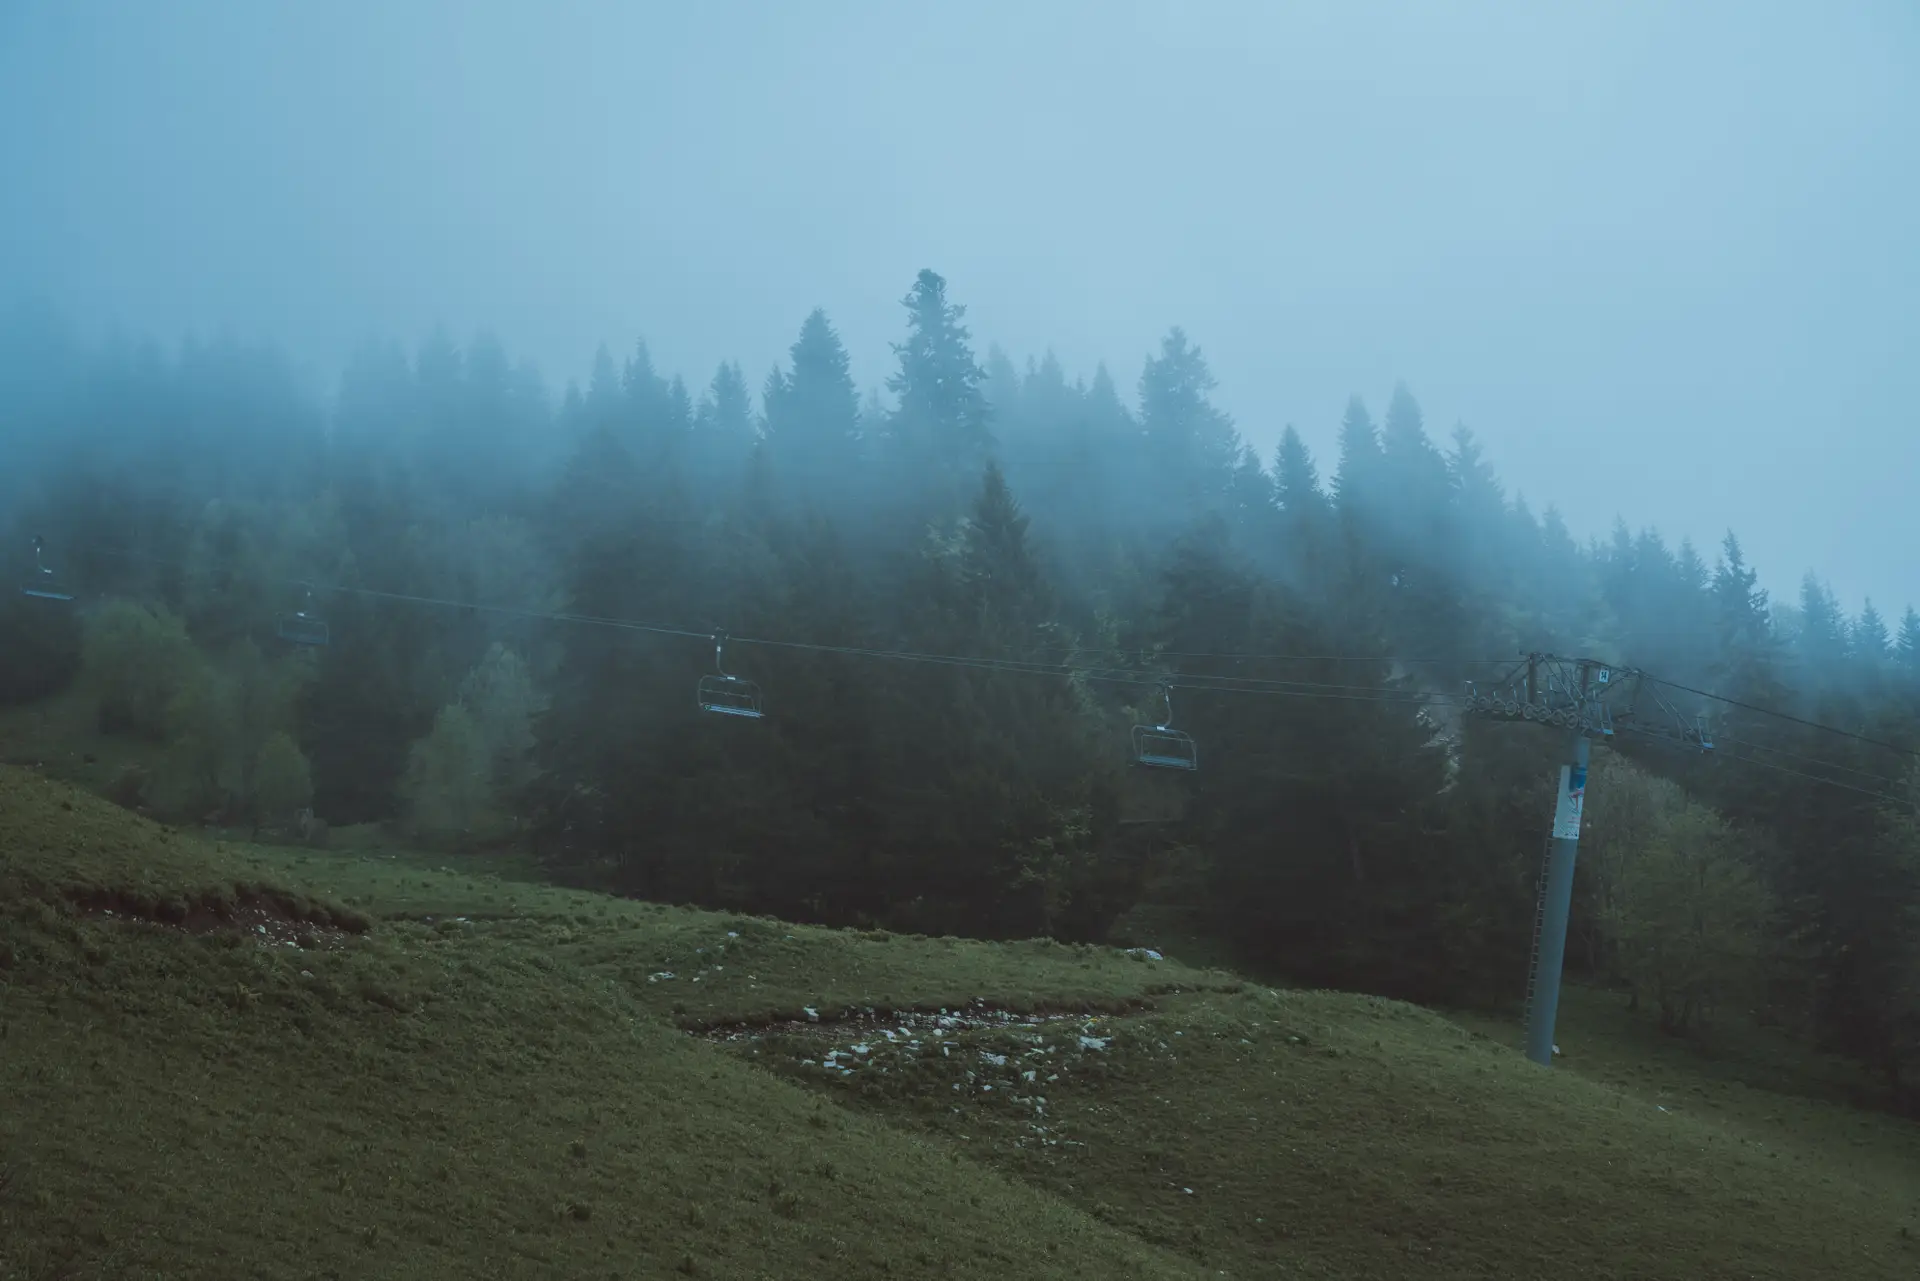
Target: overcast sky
<point>1662,257</point>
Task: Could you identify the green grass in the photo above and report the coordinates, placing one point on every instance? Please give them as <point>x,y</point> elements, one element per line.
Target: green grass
<point>470,1075</point>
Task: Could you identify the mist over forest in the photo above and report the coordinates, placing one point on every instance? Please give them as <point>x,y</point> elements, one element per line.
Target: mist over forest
<point>954,599</point>
<point>1008,641</point>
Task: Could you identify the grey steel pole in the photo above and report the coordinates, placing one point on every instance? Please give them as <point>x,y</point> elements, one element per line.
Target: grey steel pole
<point>1557,902</point>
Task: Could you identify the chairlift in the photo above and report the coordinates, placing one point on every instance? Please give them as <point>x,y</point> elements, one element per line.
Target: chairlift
<point>303,626</point>
<point>726,695</point>
<point>1162,746</point>
<point>44,584</point>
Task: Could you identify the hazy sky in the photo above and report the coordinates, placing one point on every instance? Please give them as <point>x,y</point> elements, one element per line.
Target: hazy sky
<point>1662,257</point>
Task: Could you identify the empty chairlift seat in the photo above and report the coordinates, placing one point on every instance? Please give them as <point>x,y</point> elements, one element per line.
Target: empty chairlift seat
<point>43,583</point>
<point>726,695</point>
<point>1162,746</point>
<point>304,626</point>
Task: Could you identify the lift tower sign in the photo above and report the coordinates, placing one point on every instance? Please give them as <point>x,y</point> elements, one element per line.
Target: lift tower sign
<point>1573,794</point>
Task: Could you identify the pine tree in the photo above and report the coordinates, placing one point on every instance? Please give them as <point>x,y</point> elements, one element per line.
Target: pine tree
<point>1870,642</point>
<point>1356,482</point>
<point>1822,642</point>
<point>1907,648</point>
<point>1001,386</point>
<point>1047,402</point>
<point>1304,516</point>
<point>1740,603</point>
<point>997,567</point>
<point>813,414</point>
<point>1416,476</point>
<point>723,430</point>
<point>1296,479</point>
<point>1190,444</point>
<point>1480,508</point>
<point>604,395</point>
<point>941,426</point>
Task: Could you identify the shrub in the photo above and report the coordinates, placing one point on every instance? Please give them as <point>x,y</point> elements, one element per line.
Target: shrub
<point>447,775</point>
<point>282,783</point>
<point>136,661</point>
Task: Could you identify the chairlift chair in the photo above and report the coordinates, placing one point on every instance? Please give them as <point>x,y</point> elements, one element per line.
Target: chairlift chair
<point>1162,746</point>
<point>726,695</point>
<point>304,627</point>
<point>44,584</point>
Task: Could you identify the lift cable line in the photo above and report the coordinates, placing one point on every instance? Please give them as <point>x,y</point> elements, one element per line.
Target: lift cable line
<point>1812,760</point>
<point>1788,716</point>
<point>1890,798</point>
<point>1904,802</point>
<point>1036,667</point>
<point>1210,682</point>
<point>1219,683</point>
<point>1541,688</point>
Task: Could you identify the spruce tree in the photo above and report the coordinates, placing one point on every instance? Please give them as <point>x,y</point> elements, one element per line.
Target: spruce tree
<point>1357,478</point>
<point>1907,648</point>
<point>1190,444</point>
<point>1869,640</point>
<point>723,431</point>
<point>940,429</point>
<point>813,415</point>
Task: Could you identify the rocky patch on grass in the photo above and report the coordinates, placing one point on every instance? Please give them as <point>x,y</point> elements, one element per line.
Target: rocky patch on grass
<point>269,921</point>
<point>869,1022</point>
<point>977,1064</point>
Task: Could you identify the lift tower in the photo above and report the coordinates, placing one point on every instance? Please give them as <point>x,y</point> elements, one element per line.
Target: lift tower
<point>1586,699</point>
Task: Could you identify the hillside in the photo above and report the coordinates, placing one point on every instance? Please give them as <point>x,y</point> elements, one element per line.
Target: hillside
<point>226,1060</point>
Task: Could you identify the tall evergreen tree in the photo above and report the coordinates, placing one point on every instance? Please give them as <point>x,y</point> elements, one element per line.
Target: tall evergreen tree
<point>940,430</point>
<point>1190,444</point>
<point>1304,515</point>
<point>1356,481</point>
<point>1907,648</point>
<point>723,430</point>
<point>1870,642</point>
<point>813,414</point>
<point>1822,639</point>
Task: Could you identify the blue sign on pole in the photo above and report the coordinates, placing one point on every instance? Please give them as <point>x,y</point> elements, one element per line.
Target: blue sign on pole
<point>1566,810</point>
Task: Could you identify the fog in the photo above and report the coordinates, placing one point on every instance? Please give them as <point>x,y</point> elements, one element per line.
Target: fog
<point>1659,257</point>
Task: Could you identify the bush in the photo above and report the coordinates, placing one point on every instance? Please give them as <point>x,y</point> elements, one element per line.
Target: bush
<point>136,661</point>
<point>499,696</point>
<point>282,783</point>
<point>41,642</point>
<point>1686,913</point>
<point>447,775</point>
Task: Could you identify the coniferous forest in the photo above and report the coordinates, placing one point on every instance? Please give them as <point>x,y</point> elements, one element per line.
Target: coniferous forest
<point>954,600</point>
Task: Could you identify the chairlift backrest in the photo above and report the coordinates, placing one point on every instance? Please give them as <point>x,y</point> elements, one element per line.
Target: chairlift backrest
<point>303,626</point>
<point>44,583</point>
<point>726,695</point>
<point>730,696</point>
<point>305,629</point>
<point>1163,747</point>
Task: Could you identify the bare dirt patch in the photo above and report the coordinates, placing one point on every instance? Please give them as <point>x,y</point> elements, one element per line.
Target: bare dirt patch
<point>834,1025</point>
<point>265,922</point>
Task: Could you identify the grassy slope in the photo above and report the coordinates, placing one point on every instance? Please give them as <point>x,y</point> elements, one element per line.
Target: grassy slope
<point>435,1100</point>
<point>507,1094</point>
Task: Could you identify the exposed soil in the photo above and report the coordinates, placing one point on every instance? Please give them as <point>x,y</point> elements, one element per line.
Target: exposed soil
<point>969,1018</point>
<point>264,921</point>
